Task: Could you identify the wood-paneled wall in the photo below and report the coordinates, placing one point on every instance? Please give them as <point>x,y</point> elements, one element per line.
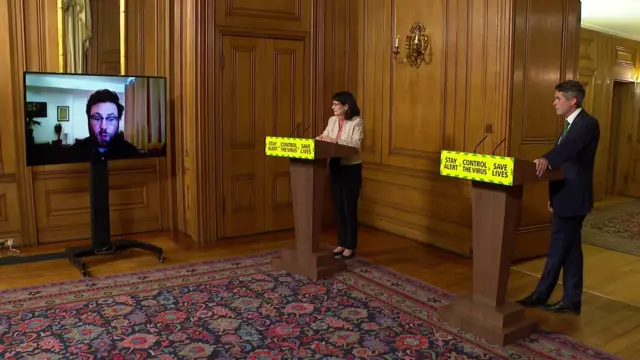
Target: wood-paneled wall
<point>51,203</point>
<point>605,59</point>
<point>178,40</point>
<point>490,76</point>
<point>339,44</point>
<point>546,47</point>
<point>12,221</point>
<point>328,29</point>
<point>186,62</point>
<point>104,54</point>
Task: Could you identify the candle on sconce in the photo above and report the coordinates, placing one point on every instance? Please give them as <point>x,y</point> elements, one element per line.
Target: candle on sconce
<point>417,45</point>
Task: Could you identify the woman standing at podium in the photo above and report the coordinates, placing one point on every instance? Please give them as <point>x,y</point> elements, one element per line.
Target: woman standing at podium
<point>345,128</point>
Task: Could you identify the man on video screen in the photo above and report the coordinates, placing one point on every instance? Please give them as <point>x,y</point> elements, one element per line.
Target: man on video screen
<point>104,112</point>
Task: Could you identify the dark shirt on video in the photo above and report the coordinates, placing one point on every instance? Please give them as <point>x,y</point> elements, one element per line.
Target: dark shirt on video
<point>118,148</point>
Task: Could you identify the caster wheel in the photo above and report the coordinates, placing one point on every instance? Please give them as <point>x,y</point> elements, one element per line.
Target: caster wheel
<point>85,274</point>
<point>161,259</point>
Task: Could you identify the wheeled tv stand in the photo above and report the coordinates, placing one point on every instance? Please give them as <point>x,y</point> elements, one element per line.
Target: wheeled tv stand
<point>101,243</point>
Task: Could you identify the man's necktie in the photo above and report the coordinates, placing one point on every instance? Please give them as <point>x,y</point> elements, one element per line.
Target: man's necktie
<point>564,131</point>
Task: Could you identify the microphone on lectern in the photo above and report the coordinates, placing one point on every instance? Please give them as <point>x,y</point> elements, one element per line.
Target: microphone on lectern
<point>305,130</point>
<point>481,141</point>
<point>294,129</point>
<point>497,146</point>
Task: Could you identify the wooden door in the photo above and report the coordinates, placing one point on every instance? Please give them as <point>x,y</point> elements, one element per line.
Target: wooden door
<point>632,177</point>
<point>618,138</point>
<point>243,111</point>
<point>262,95</point>
<point>103,55</point>
<point>285,113</point>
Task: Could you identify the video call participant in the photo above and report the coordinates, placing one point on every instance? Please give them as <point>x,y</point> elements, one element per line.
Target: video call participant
<point>345,128</point>
<point>570,200</point>
<point>104,113</point>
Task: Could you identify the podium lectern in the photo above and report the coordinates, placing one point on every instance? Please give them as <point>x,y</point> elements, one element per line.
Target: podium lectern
<point>497,185</point>
<point>308,163</point>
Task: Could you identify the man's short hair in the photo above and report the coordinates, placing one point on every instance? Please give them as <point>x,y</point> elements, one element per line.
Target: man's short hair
<point>105,96</point>
<point>572,89</point>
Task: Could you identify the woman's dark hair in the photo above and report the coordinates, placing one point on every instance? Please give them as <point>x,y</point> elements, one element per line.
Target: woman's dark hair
<point>347,98</point>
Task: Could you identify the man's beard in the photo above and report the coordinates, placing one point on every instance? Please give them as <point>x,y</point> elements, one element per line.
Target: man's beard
<point>103,140</point>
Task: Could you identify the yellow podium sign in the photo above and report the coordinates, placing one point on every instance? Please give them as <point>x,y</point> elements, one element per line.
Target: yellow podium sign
<point>299,148</point>
<point>478,167</point>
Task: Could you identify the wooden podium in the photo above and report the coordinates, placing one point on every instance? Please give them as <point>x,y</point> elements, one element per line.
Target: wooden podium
<point>308,163</point>
<point>496,207</point>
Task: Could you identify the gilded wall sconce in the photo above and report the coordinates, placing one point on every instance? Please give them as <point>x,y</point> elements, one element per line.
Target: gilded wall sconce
<point>417,47</point>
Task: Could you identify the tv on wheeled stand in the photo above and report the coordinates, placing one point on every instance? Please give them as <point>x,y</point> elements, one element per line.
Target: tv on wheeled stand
<point>96,119</point>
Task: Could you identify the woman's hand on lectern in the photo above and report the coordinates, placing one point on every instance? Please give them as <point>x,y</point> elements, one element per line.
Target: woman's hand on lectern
<point>549,207</point>
<point>327,139</point>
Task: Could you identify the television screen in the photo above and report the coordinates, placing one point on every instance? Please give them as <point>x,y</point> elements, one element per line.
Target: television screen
<point>70,118</point>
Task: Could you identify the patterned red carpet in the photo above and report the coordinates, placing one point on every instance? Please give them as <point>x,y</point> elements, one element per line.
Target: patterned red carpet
<point>241,308</point>
<point>614,227</point>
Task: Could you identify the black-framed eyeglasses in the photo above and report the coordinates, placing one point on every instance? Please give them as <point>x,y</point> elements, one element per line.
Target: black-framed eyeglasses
<point>98,118</point>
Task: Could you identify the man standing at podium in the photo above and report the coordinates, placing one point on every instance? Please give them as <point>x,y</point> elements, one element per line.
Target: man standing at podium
<point>570,199</point>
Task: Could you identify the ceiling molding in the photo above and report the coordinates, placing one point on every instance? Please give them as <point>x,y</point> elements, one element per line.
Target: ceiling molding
<point>619,18</point>
<point>609,31</point>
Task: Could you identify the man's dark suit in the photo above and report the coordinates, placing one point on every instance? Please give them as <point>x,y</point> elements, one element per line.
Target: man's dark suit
<point>571,200</point>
